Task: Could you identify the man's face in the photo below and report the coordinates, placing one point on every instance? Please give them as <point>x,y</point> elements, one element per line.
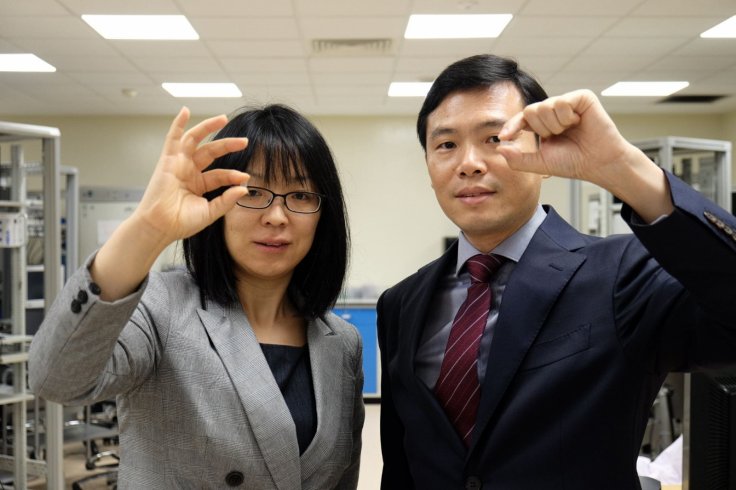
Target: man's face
<point>474,186</point>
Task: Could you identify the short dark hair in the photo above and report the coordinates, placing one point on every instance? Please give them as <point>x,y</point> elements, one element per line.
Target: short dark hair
<point>289,146</point>
<point>479,71</point>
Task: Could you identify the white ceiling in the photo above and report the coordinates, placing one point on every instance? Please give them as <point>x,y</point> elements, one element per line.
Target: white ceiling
<point>266,48</point>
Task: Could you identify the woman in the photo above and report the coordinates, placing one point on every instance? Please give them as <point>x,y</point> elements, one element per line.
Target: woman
<point>233,372</point>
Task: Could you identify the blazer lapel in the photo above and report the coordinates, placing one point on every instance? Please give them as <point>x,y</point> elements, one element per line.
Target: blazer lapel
<point>533,288</point>
<point>238,347</point>
<point>412,318</point>
<point>326,357</point>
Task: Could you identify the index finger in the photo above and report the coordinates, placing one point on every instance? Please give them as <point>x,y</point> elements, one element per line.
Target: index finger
<point>513,127</point>
<point>196,134</point>
<point>176,129</point>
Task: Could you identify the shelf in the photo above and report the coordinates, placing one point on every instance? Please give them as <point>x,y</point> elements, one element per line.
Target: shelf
<point>10,204</point>
<point>18,397</point>
<point>13,357</point>
<point>9,339</point>
<point>35,304</point>
<point>35,467</point>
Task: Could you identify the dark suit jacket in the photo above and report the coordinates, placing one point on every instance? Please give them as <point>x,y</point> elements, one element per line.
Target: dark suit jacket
<point>588,328</point>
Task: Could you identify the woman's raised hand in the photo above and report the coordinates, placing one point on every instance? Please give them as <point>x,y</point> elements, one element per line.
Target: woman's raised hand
<point>172,206</point>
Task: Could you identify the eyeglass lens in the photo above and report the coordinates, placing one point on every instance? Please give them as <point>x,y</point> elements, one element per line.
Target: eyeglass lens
<point>299,202</point>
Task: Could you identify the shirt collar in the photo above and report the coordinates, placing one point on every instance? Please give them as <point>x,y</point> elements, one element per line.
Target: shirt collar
<point>512,248</point>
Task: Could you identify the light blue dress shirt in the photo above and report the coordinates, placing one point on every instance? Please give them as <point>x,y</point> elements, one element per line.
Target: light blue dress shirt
<point>451,292</point>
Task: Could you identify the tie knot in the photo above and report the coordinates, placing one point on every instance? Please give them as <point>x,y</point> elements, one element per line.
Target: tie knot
<point>482,266</point>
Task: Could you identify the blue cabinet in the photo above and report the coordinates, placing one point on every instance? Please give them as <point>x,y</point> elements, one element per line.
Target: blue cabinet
<point>363,316</point>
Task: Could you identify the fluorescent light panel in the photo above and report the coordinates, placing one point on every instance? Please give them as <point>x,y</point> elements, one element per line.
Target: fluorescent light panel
<point>644,89</point>
<point>727,28</point>
<point>202,89</point>
<point>460,26</point>
<point>143,27</point>
<point>24,62</point>
<point>408,89</point>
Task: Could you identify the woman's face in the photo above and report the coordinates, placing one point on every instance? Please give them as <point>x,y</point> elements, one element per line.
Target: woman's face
<point>269,243</point>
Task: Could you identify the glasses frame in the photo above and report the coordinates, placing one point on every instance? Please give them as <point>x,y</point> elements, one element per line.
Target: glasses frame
<point>274,195</point>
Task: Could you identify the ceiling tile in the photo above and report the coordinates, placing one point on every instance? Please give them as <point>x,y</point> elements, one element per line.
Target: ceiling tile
<point>36,7</point>
<point>353,27</point>
<point>552,26</point>
<point>352,8</point>
<point>182,64</point>
<point>104,79</point>
<point>353,90</point>
<point>455,48</point>
<point>579,7</point>
<point>271,49</point>
<point>101,63</point>
<point>686,8</point>
<point>561,46</point>
<point>709,47</point>
<point>351,78</point>
<point>247,79</point>
<point>467,6</point>
<point>256,28</point>
<point>407,63</point>
<point>641,27</point>
<point>130,7</point>
<point>137,49</point>
<point>263,65</point>
<point>537,65</point>
<point>692,64</point>
<point>609,46</point>
<point>351,65</point>
<point>621,64</point>
<point>251,8</point>
<point>69,47</point>
<point>46,28</point>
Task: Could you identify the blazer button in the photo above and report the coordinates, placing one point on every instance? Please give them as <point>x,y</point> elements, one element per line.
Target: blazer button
<point>94,288</point>
<point>82,296</point>
<point>234,479</point>
<point>473,483</point>
<point>76,306</point>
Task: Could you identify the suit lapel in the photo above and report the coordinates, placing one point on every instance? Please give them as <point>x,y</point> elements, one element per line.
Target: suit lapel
<point>238,347</point>
<point>412,318</point>
<point>326,357</point>
<point>533,288</point>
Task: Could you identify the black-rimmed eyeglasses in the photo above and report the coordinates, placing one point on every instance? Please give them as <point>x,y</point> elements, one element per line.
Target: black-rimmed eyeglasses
<point>298,201</point>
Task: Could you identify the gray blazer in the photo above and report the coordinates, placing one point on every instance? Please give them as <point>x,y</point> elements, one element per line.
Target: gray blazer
<point>197,404</point>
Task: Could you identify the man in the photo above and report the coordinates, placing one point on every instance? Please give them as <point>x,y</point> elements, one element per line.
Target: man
<point>577,334</point>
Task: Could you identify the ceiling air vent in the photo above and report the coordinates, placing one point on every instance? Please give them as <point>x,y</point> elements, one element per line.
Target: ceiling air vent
<point>351,47</point>
<point>691,99</point>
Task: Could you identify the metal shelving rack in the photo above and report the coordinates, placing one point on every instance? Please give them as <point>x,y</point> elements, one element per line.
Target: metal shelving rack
<point>703,163</point>
<point>17,342</point>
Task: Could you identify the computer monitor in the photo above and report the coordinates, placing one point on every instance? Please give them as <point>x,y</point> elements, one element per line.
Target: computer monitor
<point>709,458</point>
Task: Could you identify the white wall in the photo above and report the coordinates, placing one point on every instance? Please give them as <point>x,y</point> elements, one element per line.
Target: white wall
<point>396,223</point>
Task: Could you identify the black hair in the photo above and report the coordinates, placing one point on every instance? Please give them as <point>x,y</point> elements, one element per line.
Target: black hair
<point>475,72</point>
<point>289,146</point>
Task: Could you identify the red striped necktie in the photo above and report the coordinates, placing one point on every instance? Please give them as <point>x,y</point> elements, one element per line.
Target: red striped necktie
<point>457,388</point>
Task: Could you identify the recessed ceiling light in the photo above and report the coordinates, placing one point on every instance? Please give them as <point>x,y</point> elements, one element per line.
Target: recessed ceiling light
<point>408,89</point>
<point>644,89</point>
<point>202,89</point>
<point>727,28</point>
<point>456,26</point>
<point>149,27</point>
<point>24,62</point>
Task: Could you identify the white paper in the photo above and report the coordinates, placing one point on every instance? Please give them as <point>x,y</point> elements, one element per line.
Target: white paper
<point>667,467</point>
